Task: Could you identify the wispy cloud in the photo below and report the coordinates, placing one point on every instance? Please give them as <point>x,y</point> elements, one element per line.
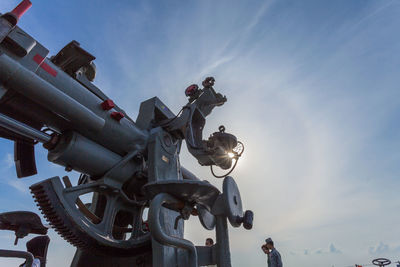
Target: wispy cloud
<point>8,160</point>
<point>19,185</point>
<point>383,249</point>
<point>333,249</point>
<point>320,251</point>
<point>312,91</point>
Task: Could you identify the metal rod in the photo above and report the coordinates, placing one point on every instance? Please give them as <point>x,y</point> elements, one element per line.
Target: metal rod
<point>222,245</point>
<point>158,233</point>
<point>23,129</point>
<point>17,254</point>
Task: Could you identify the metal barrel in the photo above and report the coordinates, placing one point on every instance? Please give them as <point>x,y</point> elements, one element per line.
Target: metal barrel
<point>107,158</point>
<point>23,129</point>
<point>71,148</point>
<point>86,156</point>
<point>42,92</point>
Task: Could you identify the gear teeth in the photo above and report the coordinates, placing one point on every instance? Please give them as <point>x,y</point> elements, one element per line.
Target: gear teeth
<point>54,217</point>
<point>45,194</point>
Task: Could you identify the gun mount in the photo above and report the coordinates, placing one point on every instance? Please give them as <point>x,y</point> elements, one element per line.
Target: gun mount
<point>24,223</point>
<point>126,165</point>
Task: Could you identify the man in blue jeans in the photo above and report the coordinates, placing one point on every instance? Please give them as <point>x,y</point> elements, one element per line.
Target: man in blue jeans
<point>274,257</point>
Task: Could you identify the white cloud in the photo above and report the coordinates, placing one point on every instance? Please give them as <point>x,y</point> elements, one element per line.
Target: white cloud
<point>19,185</point>
<point>333,249</point>
<point>305,97</point>
<point>9,160</point>
<point>379,249</point>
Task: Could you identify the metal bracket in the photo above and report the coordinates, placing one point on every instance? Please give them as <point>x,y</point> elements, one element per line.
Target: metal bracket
<point>158,233</point>
<point>17,254</point>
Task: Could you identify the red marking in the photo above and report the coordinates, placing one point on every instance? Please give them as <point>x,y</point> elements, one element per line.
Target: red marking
<point>145,226</point>
<point>107,104</point>
<point>38,59</point>
<point>117,115</point>
<point>46,67</point>
<point>21,8</point>
<point>191,89</point>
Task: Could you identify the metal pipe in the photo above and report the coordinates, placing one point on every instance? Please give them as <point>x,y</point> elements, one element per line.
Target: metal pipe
<point>45,94</point>
<point>17,254</point>
<point>158,233</point>
<point>23,129</point>
<point>222,245</point>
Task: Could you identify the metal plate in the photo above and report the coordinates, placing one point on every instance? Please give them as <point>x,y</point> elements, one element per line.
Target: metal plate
<point>206,218</point>
<point>233,202</point>
<point>192,192</point>
<point>13,220</point>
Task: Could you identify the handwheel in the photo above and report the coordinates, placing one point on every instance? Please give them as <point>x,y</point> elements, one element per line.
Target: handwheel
<point>233,201</point>
<point>381,262</point>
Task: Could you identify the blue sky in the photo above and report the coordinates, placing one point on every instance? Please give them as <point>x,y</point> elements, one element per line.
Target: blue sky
<point>313,92</point>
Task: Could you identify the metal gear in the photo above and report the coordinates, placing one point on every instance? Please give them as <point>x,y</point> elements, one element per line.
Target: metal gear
<point>115,212</point>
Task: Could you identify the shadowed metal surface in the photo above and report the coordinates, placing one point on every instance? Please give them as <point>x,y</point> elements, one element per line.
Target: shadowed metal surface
<point>193,192</point>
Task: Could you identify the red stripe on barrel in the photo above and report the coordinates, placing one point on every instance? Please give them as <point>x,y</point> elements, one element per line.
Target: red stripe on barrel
<point>46,67</point>
<point>38,59</point>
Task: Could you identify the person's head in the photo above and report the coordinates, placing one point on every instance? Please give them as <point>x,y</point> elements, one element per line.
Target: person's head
<point>265,249</point>
<point>209,242</point>
<point>269,243</point>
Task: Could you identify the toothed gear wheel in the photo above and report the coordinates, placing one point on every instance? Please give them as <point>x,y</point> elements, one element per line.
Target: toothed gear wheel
<point>108,235</point>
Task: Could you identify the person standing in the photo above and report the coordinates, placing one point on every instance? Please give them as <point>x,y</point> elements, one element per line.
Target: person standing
<point>210,243</point>
<point>274,257</point>
<point>266,251</point>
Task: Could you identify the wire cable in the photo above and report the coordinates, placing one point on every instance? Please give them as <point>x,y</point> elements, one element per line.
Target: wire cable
<point>238,150</point>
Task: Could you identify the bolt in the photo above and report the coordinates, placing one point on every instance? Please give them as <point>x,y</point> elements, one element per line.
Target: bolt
<point>68,168</point>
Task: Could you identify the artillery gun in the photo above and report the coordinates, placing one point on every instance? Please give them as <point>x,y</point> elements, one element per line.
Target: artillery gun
<point>126,165</point>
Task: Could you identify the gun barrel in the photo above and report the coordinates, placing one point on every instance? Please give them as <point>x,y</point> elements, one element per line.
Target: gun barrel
<point>42,92</point>
<point>23,129</point>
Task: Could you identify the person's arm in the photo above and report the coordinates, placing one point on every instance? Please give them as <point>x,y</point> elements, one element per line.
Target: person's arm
<point>278,260</point>
<point>279,263</point>
<point>275,260</point>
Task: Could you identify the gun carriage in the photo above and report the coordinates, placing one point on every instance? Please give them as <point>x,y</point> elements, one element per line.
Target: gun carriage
<point>126,165</point>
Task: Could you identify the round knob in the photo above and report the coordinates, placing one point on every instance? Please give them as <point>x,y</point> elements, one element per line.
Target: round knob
<point>246,220</point>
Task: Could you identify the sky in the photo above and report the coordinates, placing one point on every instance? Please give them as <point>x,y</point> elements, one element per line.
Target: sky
<point>313,93</point>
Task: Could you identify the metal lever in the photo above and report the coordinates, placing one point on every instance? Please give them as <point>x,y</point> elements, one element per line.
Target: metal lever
<point>158,233</point>
<point>17,254</point>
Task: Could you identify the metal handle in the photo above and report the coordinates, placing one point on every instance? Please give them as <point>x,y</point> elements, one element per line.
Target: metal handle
<point>158,233</point>
<point>17,254</point>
